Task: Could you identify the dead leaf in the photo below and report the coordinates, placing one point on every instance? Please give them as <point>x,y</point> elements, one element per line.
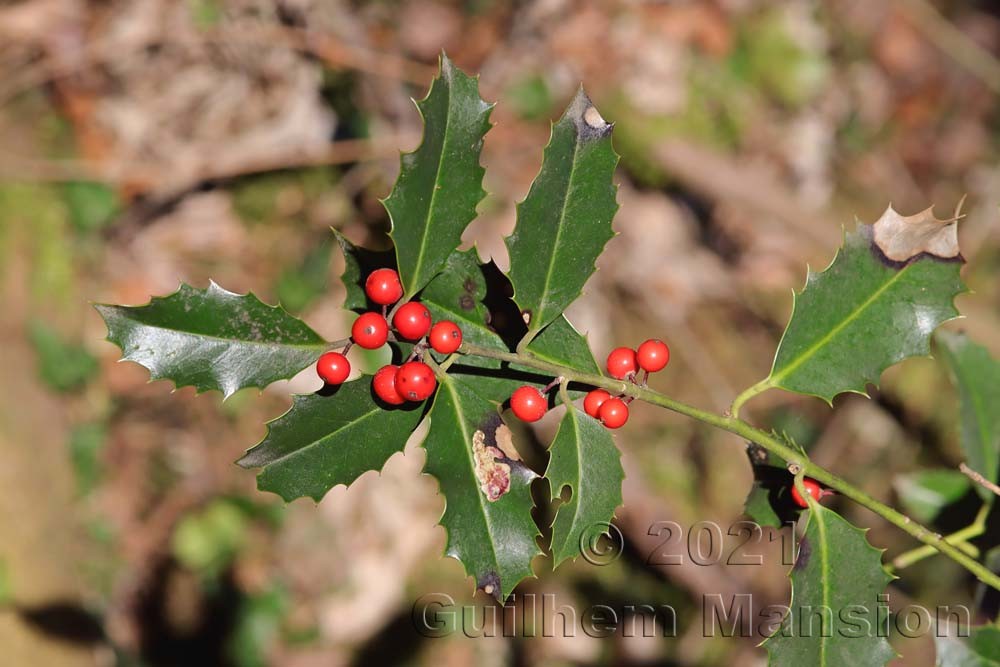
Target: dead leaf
<point>901,238</point>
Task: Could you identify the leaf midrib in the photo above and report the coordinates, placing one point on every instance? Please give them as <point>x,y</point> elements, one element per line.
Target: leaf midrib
<point>305,346</point>
<point>776,378</point>
<point>545,300</point>
<point>467,439</point>
<point>437,178</point>
<point>315,443</point>
<point>575,499</point>
<point>824,581</point>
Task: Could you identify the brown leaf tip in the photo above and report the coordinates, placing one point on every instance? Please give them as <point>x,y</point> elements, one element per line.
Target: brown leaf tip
<point>590,125</point>
<point>903,237</point>
<point>489,583</point>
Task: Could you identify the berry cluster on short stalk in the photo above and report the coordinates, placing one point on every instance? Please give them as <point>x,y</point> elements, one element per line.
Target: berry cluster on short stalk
<point>413,380</point>
<point>530,405</point>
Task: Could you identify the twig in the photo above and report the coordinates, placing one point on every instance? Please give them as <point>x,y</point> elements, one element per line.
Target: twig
<point>979,479</point>
<point>769,442</point>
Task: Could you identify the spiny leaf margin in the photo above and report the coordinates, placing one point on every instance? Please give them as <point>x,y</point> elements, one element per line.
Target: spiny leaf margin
<point>213,359</point>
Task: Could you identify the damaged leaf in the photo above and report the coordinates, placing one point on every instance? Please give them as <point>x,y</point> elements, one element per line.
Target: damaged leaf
<point>584,458</point>
<point>565,221</point>
<point>862,314</point>
<point>486,489</point>
<point>903,237</point>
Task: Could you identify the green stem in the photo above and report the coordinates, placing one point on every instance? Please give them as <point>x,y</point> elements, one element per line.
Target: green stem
<point>753,434</point>
<point>958,538</point>
<point>747,394</point>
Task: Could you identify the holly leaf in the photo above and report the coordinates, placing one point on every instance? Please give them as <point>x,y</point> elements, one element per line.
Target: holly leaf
<point>584,458</point>
<point>876,304</point>
<point>565,221</point>
<point>326,439</point>
<point>980,649</point>
<point>457,294</point>
<point>358,263</point>
<point>212,339</point>
<point>440,183</point>
<point>836,581</point>
<point>486,489</point>
<point>926,492</point>
<point>976,375</point>
<point>560,343</point>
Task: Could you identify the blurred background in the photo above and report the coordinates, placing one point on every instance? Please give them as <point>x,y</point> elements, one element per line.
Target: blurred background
<point>148,142</point>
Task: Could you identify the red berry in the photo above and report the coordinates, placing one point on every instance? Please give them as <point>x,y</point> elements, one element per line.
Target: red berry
<point>370,331</point>
<point>621,362</point>
<point>445,337</point>
<point>653,355</point>
<point>415,381</point>
<point>383,287</point>
<point>613,413</point>
<point>412,320</point>
<point>812,488</point>
<point>593,402</point>
<point>384,384</point>
<point>333,367</point>
<point>528,404</point>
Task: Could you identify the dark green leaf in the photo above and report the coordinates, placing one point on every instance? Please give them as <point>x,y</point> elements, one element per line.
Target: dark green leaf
<point>456,294</point>
<point>834,612</point>
<point>212,339</point>
<point>486,490</point>
<point>560,343</point>
<point>926,492</point>
<point>440,183</point>
<point>61,365</point>
<point>584,458</point>
<point>565,221</point>
<point>862,314</point>
<point>326,440</point>
<point>358,263</point>
<point>976,375</point>
<point>980,649</point>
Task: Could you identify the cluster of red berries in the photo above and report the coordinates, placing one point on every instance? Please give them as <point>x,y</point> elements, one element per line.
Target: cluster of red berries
<point>623,363</point>
<point>412,381</point>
